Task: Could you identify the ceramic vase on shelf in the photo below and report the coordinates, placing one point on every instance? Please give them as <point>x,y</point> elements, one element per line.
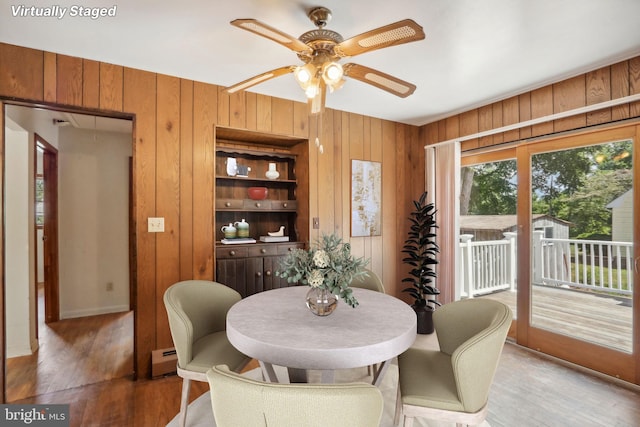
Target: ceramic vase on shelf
<point>272,173</point>
<point>321,302</point>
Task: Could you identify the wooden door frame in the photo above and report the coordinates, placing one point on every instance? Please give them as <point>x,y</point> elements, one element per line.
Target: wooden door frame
<point>609,361</point>
<point>132,232</point>
<point>50,235</point>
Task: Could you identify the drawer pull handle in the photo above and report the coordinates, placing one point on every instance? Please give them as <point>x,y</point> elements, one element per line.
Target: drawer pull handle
<point>232,253</point>
<point>263,251</point>
<point>258,274</point>
<point>284,205</point>
<point>258,205</point>
<point>267,273</point>
<point>228,204</point>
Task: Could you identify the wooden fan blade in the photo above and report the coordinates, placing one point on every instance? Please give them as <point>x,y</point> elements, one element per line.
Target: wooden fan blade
<point>271,33</point>
<point>260,78</point>
<point>390,35</point>
<point>379,79</point>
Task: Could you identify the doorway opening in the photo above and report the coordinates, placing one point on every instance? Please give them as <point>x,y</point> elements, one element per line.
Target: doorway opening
<point>77,180</point>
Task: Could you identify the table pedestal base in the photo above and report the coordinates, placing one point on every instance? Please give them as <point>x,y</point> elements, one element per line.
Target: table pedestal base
<point>327,375</point>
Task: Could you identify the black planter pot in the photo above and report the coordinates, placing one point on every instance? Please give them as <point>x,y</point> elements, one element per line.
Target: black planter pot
<point>425,319</point>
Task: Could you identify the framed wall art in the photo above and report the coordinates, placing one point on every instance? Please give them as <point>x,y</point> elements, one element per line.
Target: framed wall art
<point>366,198</point>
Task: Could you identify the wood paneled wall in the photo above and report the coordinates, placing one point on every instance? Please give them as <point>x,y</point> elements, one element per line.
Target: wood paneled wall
<point>173,168</point>
<point>604,84</point>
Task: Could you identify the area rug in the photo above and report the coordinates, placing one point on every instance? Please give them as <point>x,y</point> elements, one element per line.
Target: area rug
<point>200,414</point>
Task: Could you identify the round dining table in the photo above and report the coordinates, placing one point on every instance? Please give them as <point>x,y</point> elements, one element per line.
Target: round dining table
<point>276,328</point>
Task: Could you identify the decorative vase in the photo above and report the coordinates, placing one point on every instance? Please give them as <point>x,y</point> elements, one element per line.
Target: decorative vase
<point>321,302</point>
<point>272,173</point>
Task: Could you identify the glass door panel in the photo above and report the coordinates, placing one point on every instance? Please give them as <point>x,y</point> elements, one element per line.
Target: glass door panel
<point>582,243</point>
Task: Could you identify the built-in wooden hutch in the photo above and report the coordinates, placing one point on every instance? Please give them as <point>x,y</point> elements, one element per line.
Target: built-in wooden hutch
<point>251,267</point>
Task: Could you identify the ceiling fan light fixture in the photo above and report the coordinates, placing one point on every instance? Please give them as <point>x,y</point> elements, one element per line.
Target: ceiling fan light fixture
<point>332,73</point>
<point>304,74</point>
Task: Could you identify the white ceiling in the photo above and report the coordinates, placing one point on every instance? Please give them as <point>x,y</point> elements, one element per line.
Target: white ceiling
<point>475,51</point>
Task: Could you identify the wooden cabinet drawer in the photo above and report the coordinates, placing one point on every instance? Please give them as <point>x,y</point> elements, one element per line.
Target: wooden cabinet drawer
<point>262,250</point>
<point>231,252</point>
<point>284,205</point>
<point>256,204</point>
<point>285,249</point>
<point>229,204</point>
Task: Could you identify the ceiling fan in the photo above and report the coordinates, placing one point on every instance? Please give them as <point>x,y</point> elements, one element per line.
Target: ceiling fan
<point>321,50</point>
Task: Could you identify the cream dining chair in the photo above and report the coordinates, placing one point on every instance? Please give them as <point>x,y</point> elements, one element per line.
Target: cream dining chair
<point>452,384</point>
<point>240,401</point>
<point>197,311</point>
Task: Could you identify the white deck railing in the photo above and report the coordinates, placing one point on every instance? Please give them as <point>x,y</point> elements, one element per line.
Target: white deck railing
<point>488,266</point>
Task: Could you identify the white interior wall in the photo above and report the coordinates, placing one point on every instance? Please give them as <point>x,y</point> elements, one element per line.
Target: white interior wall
<point>19,276</point>
<point>93,200</point>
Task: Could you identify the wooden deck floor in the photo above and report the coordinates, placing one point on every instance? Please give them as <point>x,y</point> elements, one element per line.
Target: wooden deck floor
<point>600,319</point>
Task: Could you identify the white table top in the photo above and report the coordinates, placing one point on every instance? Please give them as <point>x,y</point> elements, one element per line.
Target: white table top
<point>277,327</point>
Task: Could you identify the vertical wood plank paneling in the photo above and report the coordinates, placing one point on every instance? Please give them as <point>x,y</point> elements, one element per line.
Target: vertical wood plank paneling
<point>366,155</point>
<point>485,122</point>
<point>541,105</point>
<point>251,110</point>
<point>205,102</point>
<point>598,89</point>
<point>452,127</point>
<point>511,115</point>
<point>21,72</point>
<point>469,122</point>
<point>338,155</point>
<point>524,105</point>
<point>567,95</point>
<point>90,84</point>
<point>391,187</point>
<point>404,197</point>
<point>139,98</point>
<point>634,85</point>
<point>167,196</point>
<point>224,102</point>
<point>301,120</point>
<point>237,110</point>
<point>50,76</point>
<point>620,88</point>
<point>343,217</point>
<point>376,242</point>
<point>321,202</point>
<point>69,80</point>
<point>186,180</point>
<point>111,92</point>
<point>263,113</point>
<point>356,151</point>
<point>282,116</point>
<point>497,113</point>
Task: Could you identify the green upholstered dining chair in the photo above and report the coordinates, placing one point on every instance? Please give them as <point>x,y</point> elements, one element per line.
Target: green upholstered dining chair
<point>240,401</point>
<point>197,311</point>
<point>369,281</point>
<point>452,384</point>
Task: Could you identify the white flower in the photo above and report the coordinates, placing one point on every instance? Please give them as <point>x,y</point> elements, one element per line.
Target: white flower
<point>315,279</point>
<point>321,259</point>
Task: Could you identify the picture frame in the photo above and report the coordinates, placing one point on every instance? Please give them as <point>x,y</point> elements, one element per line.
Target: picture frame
<point>366,198</point>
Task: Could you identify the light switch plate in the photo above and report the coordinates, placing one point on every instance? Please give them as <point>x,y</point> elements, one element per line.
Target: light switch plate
<point>155,225</point>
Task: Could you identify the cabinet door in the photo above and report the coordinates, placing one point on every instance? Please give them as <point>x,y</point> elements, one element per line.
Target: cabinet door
<point>271,281</point>
<point>231,272</point>
<point>254,276</point>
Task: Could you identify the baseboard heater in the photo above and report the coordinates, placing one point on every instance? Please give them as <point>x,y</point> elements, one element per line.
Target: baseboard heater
<point>163,362</point>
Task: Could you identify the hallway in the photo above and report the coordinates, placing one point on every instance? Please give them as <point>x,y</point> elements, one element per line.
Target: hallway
<point>72,353</point>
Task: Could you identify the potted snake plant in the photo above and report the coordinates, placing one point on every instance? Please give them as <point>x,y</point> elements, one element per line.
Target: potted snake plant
<point>421,249</point>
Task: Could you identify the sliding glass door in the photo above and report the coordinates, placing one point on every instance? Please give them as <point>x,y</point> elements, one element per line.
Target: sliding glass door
<point>549,227</point>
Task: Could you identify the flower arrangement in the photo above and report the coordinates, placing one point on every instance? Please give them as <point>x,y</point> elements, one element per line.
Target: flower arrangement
<point>330,265</point>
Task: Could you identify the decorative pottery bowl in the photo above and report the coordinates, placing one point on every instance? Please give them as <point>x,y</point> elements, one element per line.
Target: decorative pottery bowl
<point>257,193</point>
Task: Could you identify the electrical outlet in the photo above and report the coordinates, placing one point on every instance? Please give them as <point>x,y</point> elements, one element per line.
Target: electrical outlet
<point>109,286</point>
<point>316,223</point>
<point>155,225</point>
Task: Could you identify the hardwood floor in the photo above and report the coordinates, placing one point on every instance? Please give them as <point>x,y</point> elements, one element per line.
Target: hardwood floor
<point>528,390</point>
